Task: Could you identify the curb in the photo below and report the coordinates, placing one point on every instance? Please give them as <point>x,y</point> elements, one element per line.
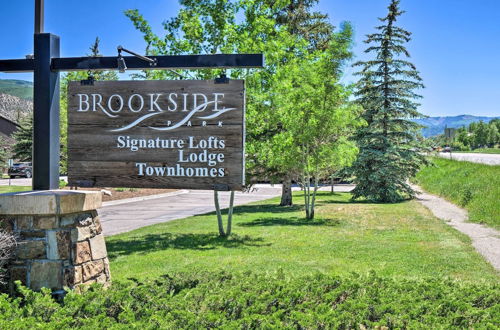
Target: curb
<point>144,198</point>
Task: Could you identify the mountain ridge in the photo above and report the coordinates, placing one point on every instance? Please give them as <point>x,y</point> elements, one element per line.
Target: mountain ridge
<point>20,88</point>
<point>436,125</point>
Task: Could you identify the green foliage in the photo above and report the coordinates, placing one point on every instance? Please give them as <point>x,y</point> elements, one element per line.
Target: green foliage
<point>475,187</point>
<point>315,118</point>
<point>388,149</point>
<point>200,27</point>
<point>248,301</point>
<point>5,152</point>
<point>120,189</point>
<point>23,147</point>
<point>478,135</point>
<point>293,38</point>
<point>299,19</point>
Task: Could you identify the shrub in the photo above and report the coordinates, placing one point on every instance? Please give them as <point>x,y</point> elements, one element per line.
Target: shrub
<point>7,244</point>
<point>213,300</point>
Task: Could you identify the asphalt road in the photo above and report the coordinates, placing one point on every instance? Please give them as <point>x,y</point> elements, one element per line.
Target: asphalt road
<point>489,159</point>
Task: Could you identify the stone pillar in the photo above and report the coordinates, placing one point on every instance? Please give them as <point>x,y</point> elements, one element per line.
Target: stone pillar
<point>60,238</point>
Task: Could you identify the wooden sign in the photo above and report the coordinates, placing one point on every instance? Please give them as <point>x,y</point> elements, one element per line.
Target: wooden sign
<point>157,134</point>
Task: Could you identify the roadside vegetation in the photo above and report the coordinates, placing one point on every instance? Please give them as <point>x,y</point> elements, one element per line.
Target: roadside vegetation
<point>478,137</point>
<point>476,187</point>
<point>483,151</point>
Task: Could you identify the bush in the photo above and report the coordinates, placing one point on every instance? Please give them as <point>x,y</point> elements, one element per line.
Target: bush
<point>62,184</point>
<point>7,244</point>
<point>459,146</point>
<point>212,300</point>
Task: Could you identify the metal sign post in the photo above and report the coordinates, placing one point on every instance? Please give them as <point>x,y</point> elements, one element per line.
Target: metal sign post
<point>46,66</point>
<point>45,114</point>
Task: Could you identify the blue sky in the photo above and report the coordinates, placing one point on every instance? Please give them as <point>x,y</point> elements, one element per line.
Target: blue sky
<point>455,46</point>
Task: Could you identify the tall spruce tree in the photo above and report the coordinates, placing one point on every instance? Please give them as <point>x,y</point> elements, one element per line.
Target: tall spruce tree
<point>388,154</point>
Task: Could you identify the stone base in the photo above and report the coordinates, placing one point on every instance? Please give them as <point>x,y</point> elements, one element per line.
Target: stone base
<point>60,238</point>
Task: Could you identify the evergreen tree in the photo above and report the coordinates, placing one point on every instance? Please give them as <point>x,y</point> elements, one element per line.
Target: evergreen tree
<point>480,135</point>
<point>24,140</point>
<point>300,19</point>
<point>4,152</point>
<point>388,152</point>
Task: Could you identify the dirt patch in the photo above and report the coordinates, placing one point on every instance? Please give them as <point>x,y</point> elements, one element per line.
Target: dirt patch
<point>123,193</point>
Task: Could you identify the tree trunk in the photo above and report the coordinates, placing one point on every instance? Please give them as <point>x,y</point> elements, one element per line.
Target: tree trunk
<point>313,202</point>
<point>219,215</point>
<point>286,193</point>
<point>222,232</point>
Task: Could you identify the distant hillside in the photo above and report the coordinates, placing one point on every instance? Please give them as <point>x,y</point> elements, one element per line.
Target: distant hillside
<point>14,108</point>
<point>20,88</point>
<point>436,125</point>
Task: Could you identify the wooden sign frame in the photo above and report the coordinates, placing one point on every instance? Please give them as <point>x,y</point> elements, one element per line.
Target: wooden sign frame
<point>157,134</point>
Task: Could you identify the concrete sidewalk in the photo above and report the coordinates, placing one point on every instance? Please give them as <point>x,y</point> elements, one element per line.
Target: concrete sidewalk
<point>485,240</point>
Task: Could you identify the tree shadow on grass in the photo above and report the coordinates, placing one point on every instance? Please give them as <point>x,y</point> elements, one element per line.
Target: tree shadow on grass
<point>266,208</point>
<point>293,221</point>
<point>164,241</point>
<point>361,201</point>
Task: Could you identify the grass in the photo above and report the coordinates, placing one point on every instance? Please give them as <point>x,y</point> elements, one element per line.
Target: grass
<point>399,240</point>
<point>9,189</point>
<point>476,187</point>
<point>482,151</point>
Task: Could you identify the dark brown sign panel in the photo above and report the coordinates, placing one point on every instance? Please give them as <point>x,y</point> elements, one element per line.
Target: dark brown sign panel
<point>157,134</point>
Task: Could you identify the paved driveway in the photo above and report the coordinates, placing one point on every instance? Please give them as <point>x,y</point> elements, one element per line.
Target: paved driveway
<point>128,216</point>
<point>490,159</point>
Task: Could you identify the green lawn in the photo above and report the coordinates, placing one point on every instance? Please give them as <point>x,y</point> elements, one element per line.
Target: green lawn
<point>8,189</point>
<point>398,240</point>
<point>483,151</point>
<point>475,187</point>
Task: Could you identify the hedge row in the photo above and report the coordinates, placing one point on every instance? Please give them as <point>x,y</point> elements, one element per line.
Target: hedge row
<point>261,301</point>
